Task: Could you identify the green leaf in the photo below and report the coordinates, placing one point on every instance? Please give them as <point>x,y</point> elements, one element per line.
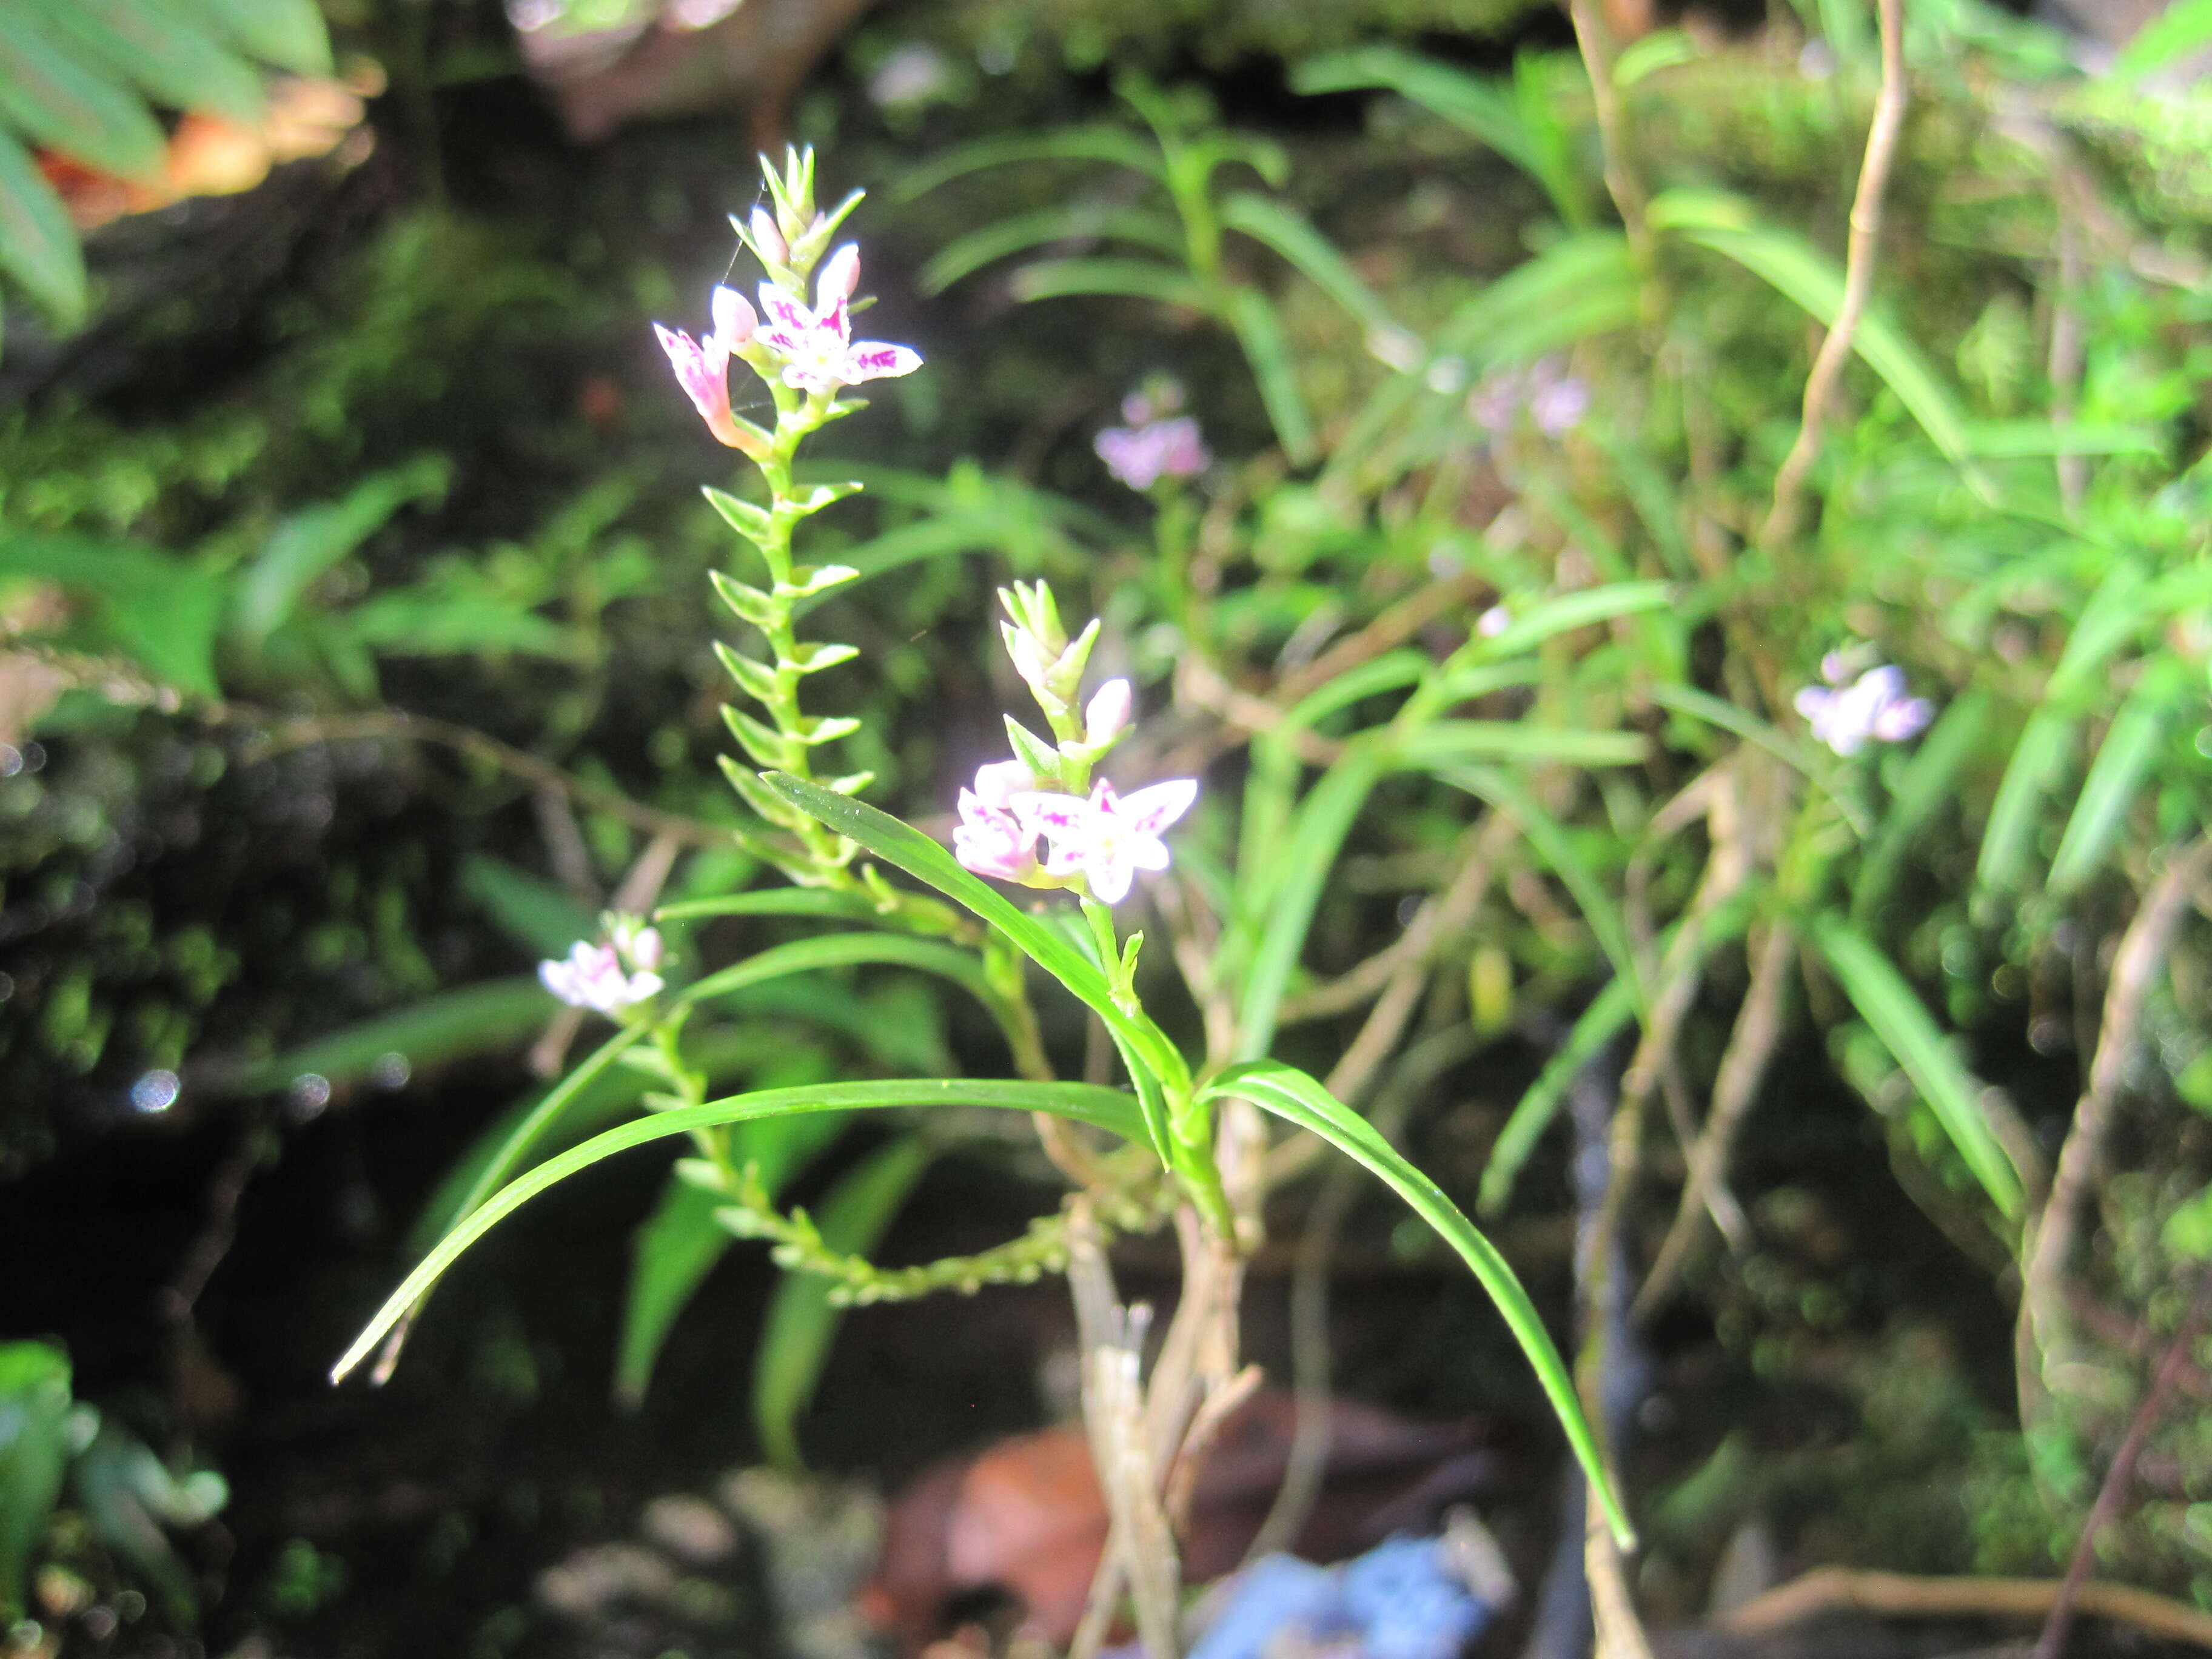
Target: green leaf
<point>1484,110</point>
<point>1549,838</point>
<point>288,33</point>
<point>1302,862</point>
<point>160,49</point>
<point>671,1255</point>
<point>310,541</point>
<point>775,902</point>
<point>34,1451</point>
<point>1068,222</point>
<point>1101,142</point>
<point>1928,783</point>
<point>542,916</point>
<point>1608,1013</point>
<point>923,859</point>
<point>49,94</point>
<point>1267,220</point>
<point>1728,226</point>
<point>472,1020</point>
<point>1442,742</point>
<point>1130,279</point>
<point>802,1320</point>
<point>1104,1109</point>
<point>962,967</point>
<point>2116,774</point>
<point>157,608</point>
<point>1261,334</point>
<point>1292,1095</point>
<point>2185,26</point>
<point>1896,1015</point>
<point>37,246</point>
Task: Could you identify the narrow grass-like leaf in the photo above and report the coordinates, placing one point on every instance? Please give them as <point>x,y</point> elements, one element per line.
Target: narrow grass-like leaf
<point>2116,777</point>
<point>1306,855</point>
<point>671,1254</point>
<point>1442,742</point>
<point>772,902</point>
<point>801,1322</point>
<point>1928,781</point>
<point>1729,226</point>
<point>962,967</point>
<point>1552,844</point>
<point>471,1020</point>
<point>1127,279</point>
<point>1897,1016</point>
<point>1068,222</point>
<point>1104,1109</point>
<point>1101,142</point>
<point>1607,1015</point>
<point>1267,220</point>
<point>37,245</point>
<point>1259,332</point>
<point>1292,1096</point>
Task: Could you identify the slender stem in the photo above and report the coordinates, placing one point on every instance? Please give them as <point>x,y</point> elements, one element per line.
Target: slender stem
<point>2117,1478</point>
<point>1595,41</point>
<point>1782,521</point>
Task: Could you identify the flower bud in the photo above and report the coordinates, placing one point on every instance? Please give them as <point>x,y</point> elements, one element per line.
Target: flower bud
<point>839,277</point>
<point>1107,715</point>
<point>734,321</point>
<point>768,241</point>
<point>1001,780</point>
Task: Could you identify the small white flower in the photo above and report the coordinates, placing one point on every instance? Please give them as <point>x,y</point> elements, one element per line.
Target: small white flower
<point>816,347</point>
<point>1107,839</point>
<point>1493,621</point>
<point>1874,706</point>
<point>591,976</point>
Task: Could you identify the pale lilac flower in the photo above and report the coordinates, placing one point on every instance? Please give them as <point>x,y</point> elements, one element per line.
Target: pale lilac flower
<point>914,74</point>
<point>702,366</point>
<point>636,943</point>
<point>1874,706</point>
<point>1141,455</point>
<point>1107,839</point>
<point>1558,406</point>
<point>591,976</point>
<point>1493,621</point>
<point>818,349</point>
<point>1106,714</point>
<point>991,840</point>
<point>997,784</point>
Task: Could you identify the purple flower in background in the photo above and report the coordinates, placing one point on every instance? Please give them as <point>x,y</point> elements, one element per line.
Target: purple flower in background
<point>1874,706</point>
<point>1108,838</point>
<point>1553,399</point>
<point>1139,456</point>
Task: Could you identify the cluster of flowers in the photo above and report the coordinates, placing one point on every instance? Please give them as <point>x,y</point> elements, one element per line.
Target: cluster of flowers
<point>810,349</point>
<point>1846,713</point>
<point>607,977</point>
<point>1554,399</point>
<point>1095,837</point>
<point>1157,443</point>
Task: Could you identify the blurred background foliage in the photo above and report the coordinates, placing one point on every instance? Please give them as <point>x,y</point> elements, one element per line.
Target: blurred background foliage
<point>355,651</point>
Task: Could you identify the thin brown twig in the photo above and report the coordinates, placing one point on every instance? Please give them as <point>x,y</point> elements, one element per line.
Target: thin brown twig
<point>1783,520</point>
<point>1595,42</point>
<point>1900,1595</point>
<point>2121,1475</point>
<point>1752,1043</point>
<point>2049,1246</point>
<point>532,769</point>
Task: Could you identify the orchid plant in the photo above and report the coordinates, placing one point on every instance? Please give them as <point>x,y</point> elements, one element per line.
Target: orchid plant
<point>1184,1137</point>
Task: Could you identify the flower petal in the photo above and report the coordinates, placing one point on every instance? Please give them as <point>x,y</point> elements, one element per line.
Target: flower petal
<point>873,360</point>
<point>1063,816</point>
<point>1109,879</point>
<point>1150,810</point>
<point>1147,851</point>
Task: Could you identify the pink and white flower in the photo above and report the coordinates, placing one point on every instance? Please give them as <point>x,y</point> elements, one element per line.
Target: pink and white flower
<point>1106,716</point>
<point>593,976</point>
<point>990,839</point>
<point>816,347</point>
<point>1874,706</point>
<point>1107,839</point>
<point>702,366</point>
